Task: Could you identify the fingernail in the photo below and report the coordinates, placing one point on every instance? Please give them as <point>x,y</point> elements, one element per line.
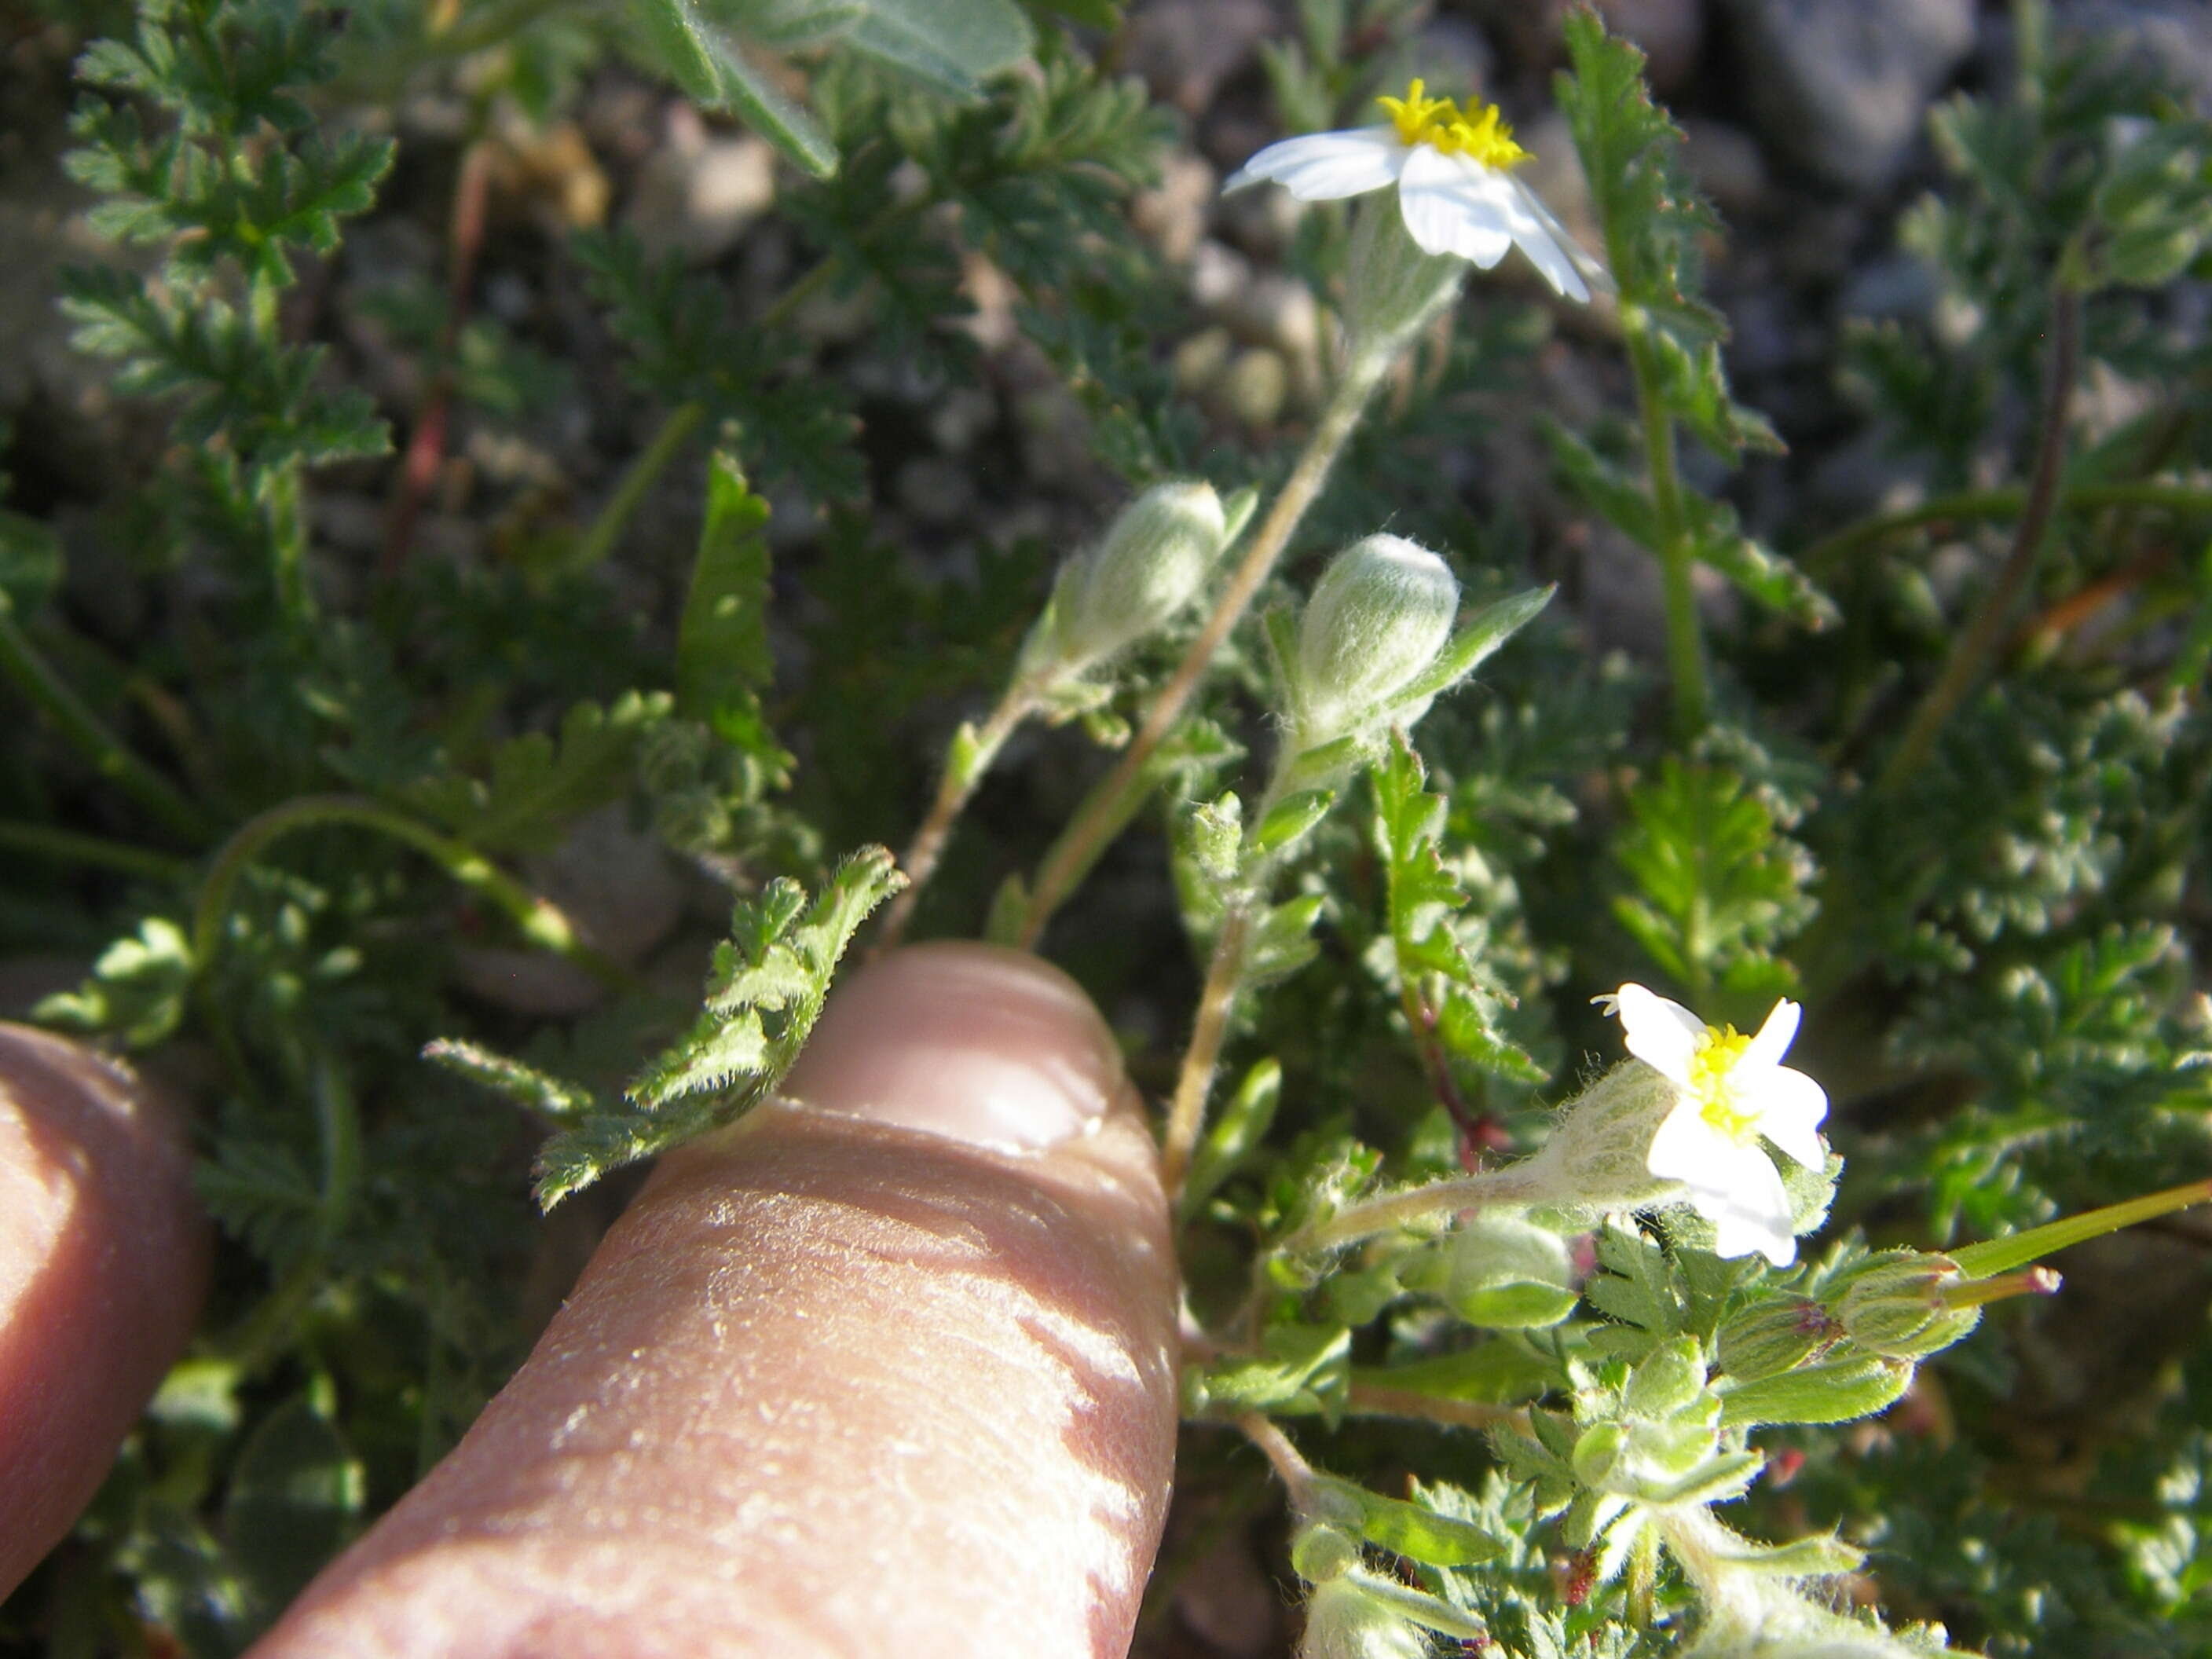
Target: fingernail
<point>989,1046</point>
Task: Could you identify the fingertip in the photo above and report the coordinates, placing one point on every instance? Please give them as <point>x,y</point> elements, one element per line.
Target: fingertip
<point>103,1257</point>
<point>982,1044</point>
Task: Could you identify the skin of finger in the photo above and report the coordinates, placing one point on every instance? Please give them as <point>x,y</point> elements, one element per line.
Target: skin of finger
<point>831,1386</point>
<point>103,1260</point>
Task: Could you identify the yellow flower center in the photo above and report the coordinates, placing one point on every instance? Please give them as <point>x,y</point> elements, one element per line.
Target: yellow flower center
<point>1712,1082</point>
<point>1479,131</point>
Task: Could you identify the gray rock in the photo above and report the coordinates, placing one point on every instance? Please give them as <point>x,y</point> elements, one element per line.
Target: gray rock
<point>1841,87</point>
<point>1450,53</point>
<point>1671,32</point>
<point>1171,216</point>
<point>2172,36</point>
<point>935,491</point>
<point>698,193</point>
<point>1726,164</point>
<point>1256,387</point>
<point>1185,49</point>
<point>1901,286</point>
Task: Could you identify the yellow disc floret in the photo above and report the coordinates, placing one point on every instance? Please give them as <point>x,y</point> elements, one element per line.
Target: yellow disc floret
<point>1479,132</point>
<point>1713,1084</point>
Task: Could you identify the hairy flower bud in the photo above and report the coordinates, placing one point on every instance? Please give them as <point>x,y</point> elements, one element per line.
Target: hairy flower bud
<point>1771,1336</point>
<point>1394,286</point>
<point>1499,1271</point>
<point>1898,1309</point>
<point>1344,1621</point>
<point>1378,617</point>
<point>1152,562</point>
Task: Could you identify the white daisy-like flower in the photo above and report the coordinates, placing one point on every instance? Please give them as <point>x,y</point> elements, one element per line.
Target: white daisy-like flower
<point>1456,189</point>
<point>1734,1091</point>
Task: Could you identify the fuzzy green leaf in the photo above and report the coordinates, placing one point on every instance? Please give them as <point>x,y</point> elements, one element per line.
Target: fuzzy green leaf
<point>766,991</point>
<point>722,658</point>
<point>538,784</point>
<point>707,60</point>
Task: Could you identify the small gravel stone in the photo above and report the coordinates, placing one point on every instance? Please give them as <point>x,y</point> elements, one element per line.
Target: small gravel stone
<point>1725,162</point>
<point>962,415</point>
<point>698,194</point>
<point>935,491</point>
<point>1199,362</point>
<point>2174,37</point>
<point>1841,87</point>
<point>1257,387</point>
<point>1185,49</point>
<point>1899,285</point>
<point>1172,214</point>
<point>1671,32</point>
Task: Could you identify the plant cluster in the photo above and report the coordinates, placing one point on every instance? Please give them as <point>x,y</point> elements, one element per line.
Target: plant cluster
<point>1940,788</point>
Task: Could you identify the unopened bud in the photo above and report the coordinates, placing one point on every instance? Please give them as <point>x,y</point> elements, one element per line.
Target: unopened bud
<point>1500,1271</point>
<point>1320,1553</point>
<point>1899,1309</point>
<point>1378,617</point>
<point>1152,562</point>
<point>1833,1391</point>
<point>1771,1336</point>
<point>1344,1621</point>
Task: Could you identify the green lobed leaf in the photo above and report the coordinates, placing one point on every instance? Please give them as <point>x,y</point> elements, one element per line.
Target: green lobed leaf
<point>138,991</point>
<point>538,784</point>
<point>707,60</point>
<point>1241,1124</point>
<point>767,986</point>
<point>294,1500</point>
<point>528,1087</point>
<point>1714,882</point>
<point>954,45</point>
<point>1413,1530</point>
<point>722,657</point>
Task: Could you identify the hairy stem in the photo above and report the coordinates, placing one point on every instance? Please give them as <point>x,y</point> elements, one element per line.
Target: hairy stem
<point>20,661</point>
<point>1685,651</point>
<point>1967,505</point>
<point>1977,647</point>
<point>1114,799</point>
<point>259,1340</point>
<point>652,461</point>
<point>1187,1115</point>
<point>425,444</point>
<point>1380,1400</point>
<point>538,919</point>
<point>1375,1216</point>
<point>685,419</point>
<point>1292,1468</point>
<point>70,847</point>
<point>962,774</point>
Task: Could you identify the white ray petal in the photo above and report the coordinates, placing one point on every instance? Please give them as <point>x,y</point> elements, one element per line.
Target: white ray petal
<point>1663,1035</point>
<point>1322,167</point>
<point>1591,270</point>
<point>1774,1037</point>
<point>1443,217</point>
<point>1685,1146</point>
<point>1790,1109</point>
<point>1741,1192</point>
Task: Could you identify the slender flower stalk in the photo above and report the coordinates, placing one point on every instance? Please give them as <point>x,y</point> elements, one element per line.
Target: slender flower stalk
<point>1114,799</point>
<point>961,777</point>
<point>1202,1059</point>
<point>538,919</point>
<point>35,678</point>
<point>1984,635</point>
<point>1514,1185</point>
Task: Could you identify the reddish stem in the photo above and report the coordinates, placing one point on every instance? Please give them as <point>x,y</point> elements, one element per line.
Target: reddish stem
<point>425,444</point>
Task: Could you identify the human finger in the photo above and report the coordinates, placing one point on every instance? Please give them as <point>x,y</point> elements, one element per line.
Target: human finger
<point>891,1368</point>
